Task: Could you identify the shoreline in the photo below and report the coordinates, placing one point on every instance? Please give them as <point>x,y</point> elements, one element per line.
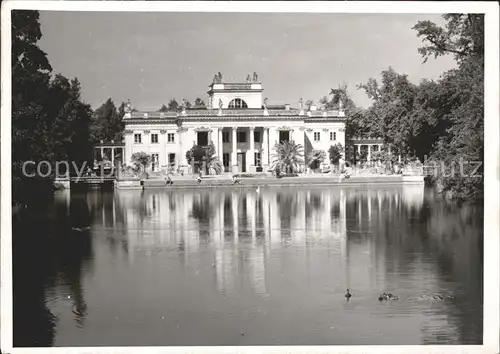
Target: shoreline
<point>188,183</point>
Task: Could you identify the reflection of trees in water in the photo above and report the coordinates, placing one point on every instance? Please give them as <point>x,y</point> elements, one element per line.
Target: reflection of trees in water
<point>201,209</point>
<point>287,211</point>
<point>46,252</point>
<point>313,203</point>
<point>451,236</point>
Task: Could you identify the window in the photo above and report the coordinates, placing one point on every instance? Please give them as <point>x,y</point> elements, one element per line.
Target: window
<point>225,137</point>
<point>137,138</point>
<point>242,137</point>
<point>202,138</point>
<point>256,136</point>
<point>317,136</point>
<point>238,103</point>
<point>171,138</point>
<point>154,138</point>
<point>333,136</point>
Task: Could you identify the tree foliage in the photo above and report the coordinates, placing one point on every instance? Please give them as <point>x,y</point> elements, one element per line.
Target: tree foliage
<point>198,154</point>
<point>173,105</point>
<point>316,158</point>
<point>199,103</point>
<point>50,122</point>
<point>107,122</point>
<point>443,119</point>
<point>141,161</point>
<point>335,153</point>
<point>288,157</point>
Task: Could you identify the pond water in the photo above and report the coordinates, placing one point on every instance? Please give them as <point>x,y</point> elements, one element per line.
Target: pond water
<point>247,267</point>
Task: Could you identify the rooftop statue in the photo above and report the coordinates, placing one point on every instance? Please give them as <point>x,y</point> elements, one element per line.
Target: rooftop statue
<point>128,107</point>
<point>301,104</point>
<point>217,78</point>
<point>249,79</point>
<point>220,104</point>
<point>265,103</point>
<point>255,77</point>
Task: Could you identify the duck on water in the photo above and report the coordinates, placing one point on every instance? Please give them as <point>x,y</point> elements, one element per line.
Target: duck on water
<point>387,296</point>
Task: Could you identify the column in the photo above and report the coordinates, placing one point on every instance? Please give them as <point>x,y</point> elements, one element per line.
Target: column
<point>265,149</point>
<point>210,137</point>
<point>220,149</point>
<point>234,162</point>
<point>369,152</point>
<point>102,153</point>
<point>113,156</point>
<point>181,154</point>
<point>251,160</point>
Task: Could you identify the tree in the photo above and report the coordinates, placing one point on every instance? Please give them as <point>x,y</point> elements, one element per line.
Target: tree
<point>460,100</point>
<point>107,122</point>
<point>173,105</point>
<point>69,127</point>
<point>462,36</point>
<point>316,158</point>
<point>141,161</point>
<point>199,155</point>
<point>163,108</point>
<point>49,120</point>
<point>357,124</point>
<point>199,102</point>
<point>288,157</point>
<point>335,153</point>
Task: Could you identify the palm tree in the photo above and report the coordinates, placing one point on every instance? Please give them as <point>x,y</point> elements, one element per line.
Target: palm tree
<point>198,154</point>
<point>288,157</point>
<point>316,158</point>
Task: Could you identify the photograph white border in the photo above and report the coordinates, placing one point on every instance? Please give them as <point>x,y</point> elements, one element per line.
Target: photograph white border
<point>491,331</point>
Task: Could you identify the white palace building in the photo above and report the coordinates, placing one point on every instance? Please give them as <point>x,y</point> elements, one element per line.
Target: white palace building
<point>242,126</point>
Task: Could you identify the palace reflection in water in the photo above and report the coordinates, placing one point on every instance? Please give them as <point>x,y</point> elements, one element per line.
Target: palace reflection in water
<point>202,266</point>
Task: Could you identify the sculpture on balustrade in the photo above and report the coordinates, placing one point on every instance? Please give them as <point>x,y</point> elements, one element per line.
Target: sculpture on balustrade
<point>217,78</point>
<point>220,104</point>
<point>301,104</point>
<point>255,77</point>
<point>128,107</point>
<point>265,103</point>
<point>249,79</point>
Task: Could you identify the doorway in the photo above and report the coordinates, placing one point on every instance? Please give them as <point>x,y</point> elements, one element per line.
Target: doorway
<point>154,162</point>
<point>242,162</point>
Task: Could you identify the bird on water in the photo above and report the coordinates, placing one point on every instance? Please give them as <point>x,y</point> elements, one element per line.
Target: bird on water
<point>348,294</point>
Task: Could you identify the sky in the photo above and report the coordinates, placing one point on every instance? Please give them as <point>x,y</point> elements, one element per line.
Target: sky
<point>151,58</point>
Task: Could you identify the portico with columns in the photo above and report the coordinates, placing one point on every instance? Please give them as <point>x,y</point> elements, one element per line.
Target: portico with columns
<point>368,145</point>
<point>241,125</point>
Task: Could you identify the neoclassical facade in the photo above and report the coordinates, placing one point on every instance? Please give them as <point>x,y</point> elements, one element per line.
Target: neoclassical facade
<point>242,126</point>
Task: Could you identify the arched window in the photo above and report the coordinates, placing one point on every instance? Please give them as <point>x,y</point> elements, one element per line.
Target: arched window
<point>238,103</point>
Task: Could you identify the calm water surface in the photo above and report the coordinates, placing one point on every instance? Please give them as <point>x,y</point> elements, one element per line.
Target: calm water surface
<point>241,267</point>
